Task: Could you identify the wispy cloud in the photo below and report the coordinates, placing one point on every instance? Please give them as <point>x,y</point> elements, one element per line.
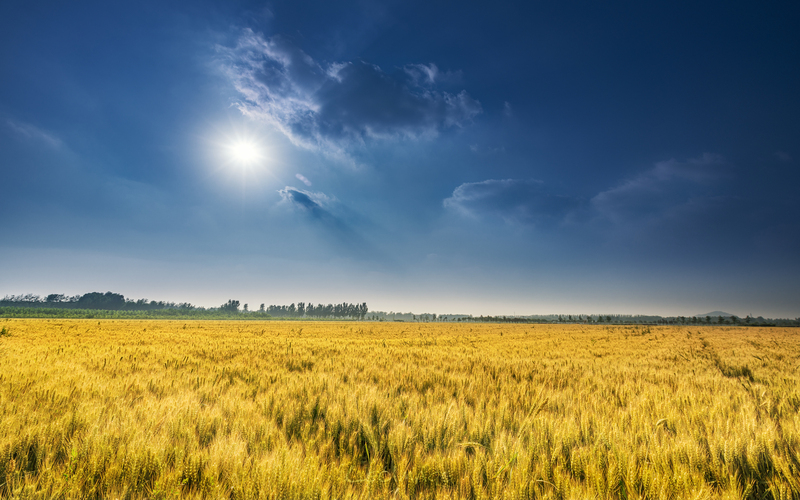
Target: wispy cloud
<point>33,133</point>
<point>303,179</point>
<point>522,201</point>
<point>426,75</point>
<point>665,186</point>
<point>334,107</point>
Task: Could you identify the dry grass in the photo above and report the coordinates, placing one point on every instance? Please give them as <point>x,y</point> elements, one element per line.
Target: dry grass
<point>169,409</point>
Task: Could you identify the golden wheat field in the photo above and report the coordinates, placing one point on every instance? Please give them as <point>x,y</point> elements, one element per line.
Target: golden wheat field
<point>238,410</point>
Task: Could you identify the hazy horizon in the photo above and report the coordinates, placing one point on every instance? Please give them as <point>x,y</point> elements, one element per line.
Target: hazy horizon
<point>474,307</point>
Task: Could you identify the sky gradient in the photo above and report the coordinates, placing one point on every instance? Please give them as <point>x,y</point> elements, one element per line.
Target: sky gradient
<point>503,158</point>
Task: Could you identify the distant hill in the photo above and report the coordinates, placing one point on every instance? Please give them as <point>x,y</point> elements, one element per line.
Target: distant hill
<point>715,314</point>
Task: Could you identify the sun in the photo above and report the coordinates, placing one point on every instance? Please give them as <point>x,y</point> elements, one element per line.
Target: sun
<point>245,152</point>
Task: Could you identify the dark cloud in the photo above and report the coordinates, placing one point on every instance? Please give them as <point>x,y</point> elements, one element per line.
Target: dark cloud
<point>669,189</point>
<point>308,202</point>
<point>514,200</point>
<point>336,106</point>
<point>674,210</point>
<point>363,101</point>
<point>325,213</point>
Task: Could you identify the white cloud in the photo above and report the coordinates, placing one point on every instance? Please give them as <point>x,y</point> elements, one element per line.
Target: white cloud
<point>303,179</point>
<point>428,75</point>
<point>422,74</point>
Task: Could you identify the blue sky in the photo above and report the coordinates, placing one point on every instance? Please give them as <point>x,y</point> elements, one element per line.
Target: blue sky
<point>502,158</point>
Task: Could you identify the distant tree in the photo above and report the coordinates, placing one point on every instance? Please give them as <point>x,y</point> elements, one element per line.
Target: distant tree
<point>245,308</point>
<point>97,300</point>
<point>301,309</point>
<point>55,297</point>
<point>363,310</point>
<point>230,306</point>
<point>261,308</point>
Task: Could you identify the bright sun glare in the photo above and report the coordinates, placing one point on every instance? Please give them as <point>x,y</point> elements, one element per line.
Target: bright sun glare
<point>245,152</point>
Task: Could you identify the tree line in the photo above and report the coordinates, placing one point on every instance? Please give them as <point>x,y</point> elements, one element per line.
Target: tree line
<point>309,310</point>
<point>111,301</point>
<point>16,305</point>
<point>108,301</point>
